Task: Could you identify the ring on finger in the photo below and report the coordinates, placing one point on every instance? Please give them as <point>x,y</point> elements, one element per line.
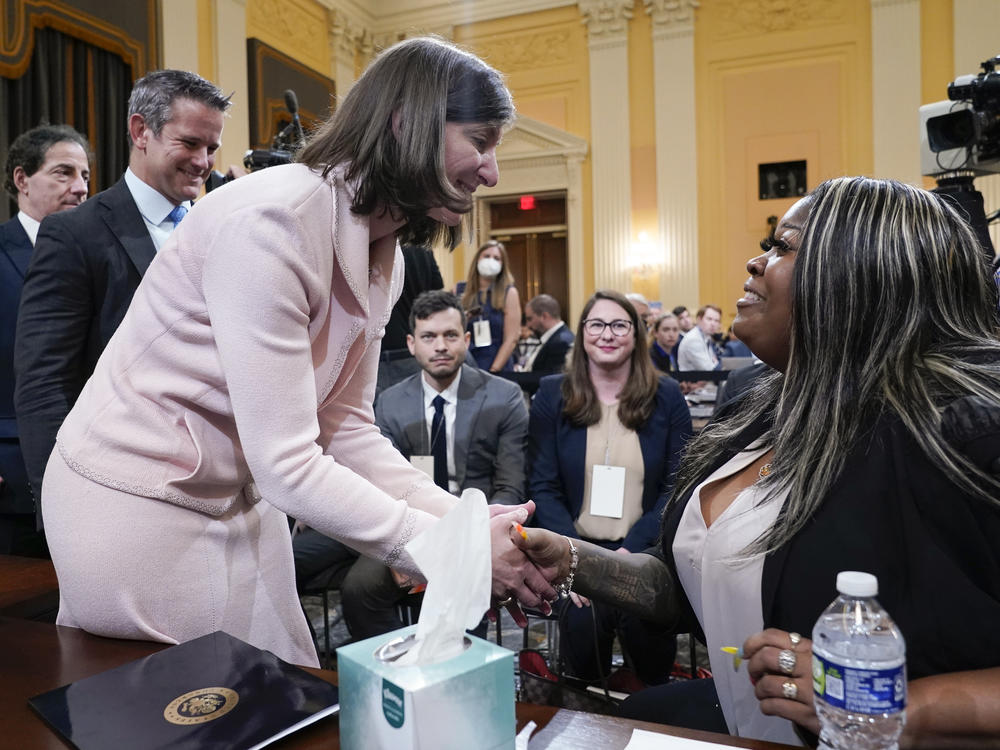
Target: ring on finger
<point>795,638</point>
<point>786,660</point>
<point>505,602</point>
<point>790,690</point>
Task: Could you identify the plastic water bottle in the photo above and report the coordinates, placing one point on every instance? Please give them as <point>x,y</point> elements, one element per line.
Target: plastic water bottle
<point>859,669</point>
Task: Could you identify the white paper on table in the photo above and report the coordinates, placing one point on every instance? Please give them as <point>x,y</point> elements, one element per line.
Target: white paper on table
<point>644,740</point>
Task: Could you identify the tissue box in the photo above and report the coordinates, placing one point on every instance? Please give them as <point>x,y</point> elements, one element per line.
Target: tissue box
<point>463,702</point>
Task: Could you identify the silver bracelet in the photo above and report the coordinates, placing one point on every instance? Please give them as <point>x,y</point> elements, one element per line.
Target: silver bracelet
<point>567,583</point>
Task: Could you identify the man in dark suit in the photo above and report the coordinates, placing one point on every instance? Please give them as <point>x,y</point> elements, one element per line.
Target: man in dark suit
<point>88,262</point>
<point>543,316</point>
<point>474,438</point>
<point>47,170</point>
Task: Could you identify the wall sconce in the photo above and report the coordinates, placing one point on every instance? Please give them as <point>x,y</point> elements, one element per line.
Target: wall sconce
<point>644,255</point>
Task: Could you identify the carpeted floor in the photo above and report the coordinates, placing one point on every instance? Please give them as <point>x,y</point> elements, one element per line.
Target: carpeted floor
<point>541,634</point>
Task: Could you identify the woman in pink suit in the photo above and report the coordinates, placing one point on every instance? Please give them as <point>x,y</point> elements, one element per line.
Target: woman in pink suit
<point>238,388</point>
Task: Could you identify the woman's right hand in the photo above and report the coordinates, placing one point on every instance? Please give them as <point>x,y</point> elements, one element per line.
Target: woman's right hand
<point>546,549</point>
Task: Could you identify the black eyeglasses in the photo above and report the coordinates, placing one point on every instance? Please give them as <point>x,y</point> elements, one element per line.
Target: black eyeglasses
<point>596,326</point>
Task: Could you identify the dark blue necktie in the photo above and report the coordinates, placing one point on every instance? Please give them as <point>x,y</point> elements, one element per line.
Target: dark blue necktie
<point>177,214</point>
<point>439,444</point>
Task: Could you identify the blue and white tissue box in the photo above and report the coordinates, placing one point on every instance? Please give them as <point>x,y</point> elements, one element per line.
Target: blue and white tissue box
<point>460,703</point>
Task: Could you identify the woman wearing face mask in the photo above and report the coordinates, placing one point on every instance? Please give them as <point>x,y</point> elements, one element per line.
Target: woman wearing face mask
<point>493,306</point>
<point>238,388</point>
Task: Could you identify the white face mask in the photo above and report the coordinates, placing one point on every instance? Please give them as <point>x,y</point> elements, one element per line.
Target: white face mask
<point>488,267</point>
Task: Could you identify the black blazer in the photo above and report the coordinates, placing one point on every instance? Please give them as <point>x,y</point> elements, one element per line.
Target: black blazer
<point>15,253</point>
<point>87,264</point>
<point>893,513</point>
<point>552,355</point>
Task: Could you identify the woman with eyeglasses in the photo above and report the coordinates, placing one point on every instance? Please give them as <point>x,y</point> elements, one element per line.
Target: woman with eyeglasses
<point>604,441</point>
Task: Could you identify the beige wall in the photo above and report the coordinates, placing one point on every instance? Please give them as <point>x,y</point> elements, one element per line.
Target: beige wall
<point>772,82</point>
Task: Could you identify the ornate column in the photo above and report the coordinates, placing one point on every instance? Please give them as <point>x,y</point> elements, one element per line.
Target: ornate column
<point>607,26</point>
<point>230,24</point>
<point>896,89</point>
<point>345,35</point>
<point>676,153</point>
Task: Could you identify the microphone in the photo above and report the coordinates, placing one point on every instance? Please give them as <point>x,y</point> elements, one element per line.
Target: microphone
<point>292,103</point>
<point>294,127</point>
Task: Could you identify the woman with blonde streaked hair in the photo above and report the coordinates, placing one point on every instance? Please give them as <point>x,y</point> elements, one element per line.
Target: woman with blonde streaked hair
<point>874,446</point>
<point>493,306</point>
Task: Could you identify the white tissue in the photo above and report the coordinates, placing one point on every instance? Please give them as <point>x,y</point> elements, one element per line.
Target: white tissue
<point>455,557</point>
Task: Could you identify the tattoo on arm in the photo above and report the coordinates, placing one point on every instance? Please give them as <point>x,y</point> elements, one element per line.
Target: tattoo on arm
<point>639,583</point>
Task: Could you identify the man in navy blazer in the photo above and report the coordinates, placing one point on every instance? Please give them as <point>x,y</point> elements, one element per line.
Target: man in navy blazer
<point>88,262</point>
<point>543,316</point>
<point>485,424</point>
<point>47,171</point>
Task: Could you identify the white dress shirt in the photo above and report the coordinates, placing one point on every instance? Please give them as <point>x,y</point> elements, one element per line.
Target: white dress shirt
<point>450,396</point>
<point>154,207</point>
<point>541,342</point>
<point>724,589</point>
<point>30,226</point>
<point>696,351</point>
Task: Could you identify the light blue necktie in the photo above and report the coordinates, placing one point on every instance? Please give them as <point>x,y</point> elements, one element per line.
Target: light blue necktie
<point>177,214</point>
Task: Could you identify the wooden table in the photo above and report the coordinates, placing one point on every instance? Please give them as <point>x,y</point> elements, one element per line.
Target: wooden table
<point>37,656</point>
<point>28,588</point>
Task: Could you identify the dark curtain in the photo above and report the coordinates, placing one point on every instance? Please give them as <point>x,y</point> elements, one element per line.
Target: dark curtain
<point>73,82</point>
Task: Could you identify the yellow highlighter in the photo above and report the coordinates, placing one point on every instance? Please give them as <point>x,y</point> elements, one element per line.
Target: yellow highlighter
<point>737,654</point>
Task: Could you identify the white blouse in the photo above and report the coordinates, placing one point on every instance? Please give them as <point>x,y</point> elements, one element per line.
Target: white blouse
<point>724,588</point>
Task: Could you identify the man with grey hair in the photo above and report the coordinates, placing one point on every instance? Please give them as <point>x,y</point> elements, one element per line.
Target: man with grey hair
<point>47,170</point>
<point>543,316</point>
<point>88,262</point>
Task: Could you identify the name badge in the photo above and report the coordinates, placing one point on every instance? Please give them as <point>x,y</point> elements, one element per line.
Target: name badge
<point>424,464</point>
<point>481,333</point>
<point>607,491</point>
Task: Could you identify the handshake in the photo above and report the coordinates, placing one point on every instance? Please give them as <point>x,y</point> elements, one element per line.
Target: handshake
<point>525,573</point>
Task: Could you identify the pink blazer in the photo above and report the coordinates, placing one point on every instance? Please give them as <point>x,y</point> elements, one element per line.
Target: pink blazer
<point>246,365</point>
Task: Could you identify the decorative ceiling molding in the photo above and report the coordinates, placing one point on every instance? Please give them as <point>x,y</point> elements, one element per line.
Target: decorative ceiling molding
<point>388,16</point>
<point>753,17</point>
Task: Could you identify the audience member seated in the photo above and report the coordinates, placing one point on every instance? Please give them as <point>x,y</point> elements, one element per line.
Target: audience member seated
<point>666,334</point>
<point>47,171</point>
<point>467,428</point>
<point>543,316</point>
<point>420,274</point>
<point>697,350</point>
<point>872,448</point>
<point>641,305</point>
<point>493,308</point>
<point>604,440</point>
<point>734,347</point>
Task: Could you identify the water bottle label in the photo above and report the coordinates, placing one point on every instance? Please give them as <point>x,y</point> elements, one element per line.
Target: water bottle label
<point>860,691</point>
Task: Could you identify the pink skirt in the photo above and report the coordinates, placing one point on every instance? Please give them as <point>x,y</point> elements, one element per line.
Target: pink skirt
<point>144,569</point>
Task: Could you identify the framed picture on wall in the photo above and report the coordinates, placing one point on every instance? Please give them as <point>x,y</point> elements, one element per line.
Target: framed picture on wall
<point>271,73</point>
<point>782,179</point>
